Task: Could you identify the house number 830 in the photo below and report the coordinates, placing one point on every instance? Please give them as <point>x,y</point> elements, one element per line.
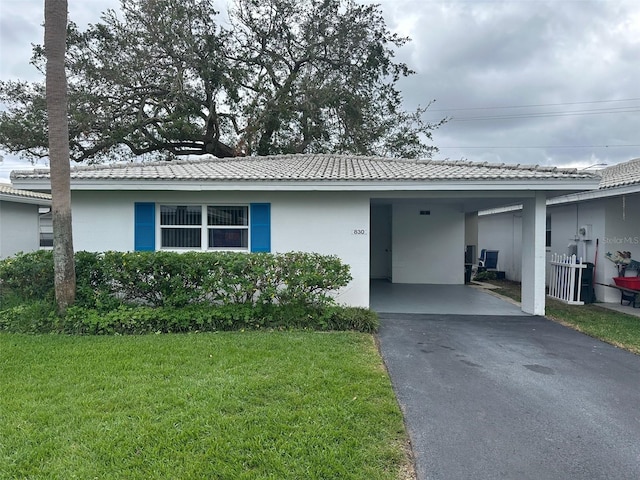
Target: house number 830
<point>359,231</point>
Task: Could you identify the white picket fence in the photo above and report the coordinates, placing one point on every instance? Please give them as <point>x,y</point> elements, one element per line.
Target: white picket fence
<point>565,278</point>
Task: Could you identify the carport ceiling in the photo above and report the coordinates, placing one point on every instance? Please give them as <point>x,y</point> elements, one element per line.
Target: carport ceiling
<point>462,202</point>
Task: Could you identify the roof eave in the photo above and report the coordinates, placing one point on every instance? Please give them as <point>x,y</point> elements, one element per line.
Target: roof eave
<point>20,199</point>
<point>573,198</point>
<point>537,184</point>
<point>595,194</point>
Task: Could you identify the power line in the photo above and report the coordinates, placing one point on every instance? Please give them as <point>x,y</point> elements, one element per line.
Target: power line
<point>542,146</point>
<point>532,105</point>
<point>576,113</point>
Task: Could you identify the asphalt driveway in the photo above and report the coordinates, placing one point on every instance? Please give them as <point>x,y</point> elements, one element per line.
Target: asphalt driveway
<point>519,397</point>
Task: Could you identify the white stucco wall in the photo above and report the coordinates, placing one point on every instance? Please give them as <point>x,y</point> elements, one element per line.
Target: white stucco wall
<point>503,232</point>
<point>564,227</point>
<point>427,249</point>
<point>622,234</point>
<point>613,228</point>
<point>103,221</point>
<point>567,219</point>
<point>565,222</point>
<point>326,223</point>
<point>335,223</point>
<point>18,228</point>
<point>534,215</point>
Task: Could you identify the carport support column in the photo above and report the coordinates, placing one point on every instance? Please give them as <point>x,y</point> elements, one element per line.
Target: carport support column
<point>534,214</point>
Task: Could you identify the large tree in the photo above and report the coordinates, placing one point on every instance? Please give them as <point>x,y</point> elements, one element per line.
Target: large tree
<point>55,28</point>
<point>170,77</point>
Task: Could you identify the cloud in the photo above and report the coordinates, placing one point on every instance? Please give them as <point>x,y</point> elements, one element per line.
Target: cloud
<point>20,26</point>
<point>469,55</point>
<point>473,54</point>
<point>8,163</point>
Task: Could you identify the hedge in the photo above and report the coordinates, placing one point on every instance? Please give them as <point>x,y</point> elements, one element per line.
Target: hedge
<point>141,292</point>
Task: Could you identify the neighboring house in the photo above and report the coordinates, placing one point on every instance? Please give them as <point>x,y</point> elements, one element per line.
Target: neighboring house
<point>403,220</point>
<point>19,220</point>
<point>602,220</point>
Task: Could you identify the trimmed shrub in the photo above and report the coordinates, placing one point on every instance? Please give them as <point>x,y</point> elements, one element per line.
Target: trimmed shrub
<point>28,276</point>
<point>144,319</point>
<point>143,292</point>
<point>309,277</point>
<point>485,275</point>
<point>351,318</point>
<point>35,316</point>
<point>179,279</point>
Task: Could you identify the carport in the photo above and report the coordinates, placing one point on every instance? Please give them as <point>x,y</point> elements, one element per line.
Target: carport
<point>418,236</point>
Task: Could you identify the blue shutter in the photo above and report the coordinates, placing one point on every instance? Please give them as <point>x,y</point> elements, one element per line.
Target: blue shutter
<point>145,227</point>
<point>260,227</point>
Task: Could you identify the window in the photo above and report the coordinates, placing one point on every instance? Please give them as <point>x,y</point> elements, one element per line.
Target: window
<point>228,227</point>
<point>204,227</point>
<point>548,232</point>
<point>181,226</point>
<point>46,239</point>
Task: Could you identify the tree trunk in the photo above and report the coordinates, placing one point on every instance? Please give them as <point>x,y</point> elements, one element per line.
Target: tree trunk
<point>55,36</point>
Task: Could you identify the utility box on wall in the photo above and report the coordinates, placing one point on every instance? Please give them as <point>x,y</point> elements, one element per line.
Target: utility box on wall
<point>585,232</point>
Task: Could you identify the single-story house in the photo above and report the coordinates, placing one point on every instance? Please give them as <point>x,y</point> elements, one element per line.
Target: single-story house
<point>403,220</point>
<point>19,219</point>
<point>590,224</point>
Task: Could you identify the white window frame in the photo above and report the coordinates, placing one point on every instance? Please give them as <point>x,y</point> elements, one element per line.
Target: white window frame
<point>226,227</point>
<point>204,227</point>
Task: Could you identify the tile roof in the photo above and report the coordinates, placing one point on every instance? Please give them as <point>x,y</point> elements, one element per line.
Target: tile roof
<point>311,167</point>
<point>622,174</point>
<point>8,190</point>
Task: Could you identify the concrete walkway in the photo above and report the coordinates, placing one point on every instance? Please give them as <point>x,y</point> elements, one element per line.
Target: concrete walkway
<point>628,309</point>
<point>513,397</point>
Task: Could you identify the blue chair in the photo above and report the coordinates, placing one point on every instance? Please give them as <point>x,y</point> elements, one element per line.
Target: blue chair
<point>488,259</point>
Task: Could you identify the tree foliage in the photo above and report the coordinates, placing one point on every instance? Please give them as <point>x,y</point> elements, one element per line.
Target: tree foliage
<point>174,77</point>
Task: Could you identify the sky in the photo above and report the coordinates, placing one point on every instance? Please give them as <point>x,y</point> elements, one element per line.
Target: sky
<point>546,82</point>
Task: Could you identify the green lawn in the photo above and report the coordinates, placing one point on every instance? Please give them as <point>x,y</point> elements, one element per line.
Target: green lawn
<point>613,327</point>
<point>241,405</point>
